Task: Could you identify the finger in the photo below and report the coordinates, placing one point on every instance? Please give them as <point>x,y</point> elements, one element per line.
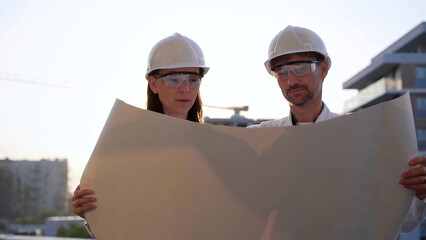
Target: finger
<point>81,205</point>
<point>414,172</point>
<point>421,197</point>
<point>421,194</point>
<point>414,180</point>
<point>82,193</point>
<point>417,160</point>
<point>84,200</point>
<point>80,211</point>
<point>416,186</point>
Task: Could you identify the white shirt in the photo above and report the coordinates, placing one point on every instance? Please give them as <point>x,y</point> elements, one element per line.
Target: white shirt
<point>287,121</point>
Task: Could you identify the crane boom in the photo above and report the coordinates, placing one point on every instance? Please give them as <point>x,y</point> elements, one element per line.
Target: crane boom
<point>237,110</point>
<point>30,79</point>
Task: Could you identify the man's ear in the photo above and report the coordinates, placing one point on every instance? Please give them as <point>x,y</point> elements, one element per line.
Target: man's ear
<point>152,84</point>
<point>324,69</point>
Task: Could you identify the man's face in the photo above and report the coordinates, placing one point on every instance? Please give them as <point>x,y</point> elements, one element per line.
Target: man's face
<point>299,78</point>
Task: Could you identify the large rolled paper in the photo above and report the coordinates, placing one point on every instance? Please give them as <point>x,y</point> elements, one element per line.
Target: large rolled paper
<point>161,178</point>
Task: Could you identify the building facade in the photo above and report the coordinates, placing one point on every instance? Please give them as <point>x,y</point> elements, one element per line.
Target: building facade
<point>398,69</point>
<point>53,224</point>
<point>28,187</point>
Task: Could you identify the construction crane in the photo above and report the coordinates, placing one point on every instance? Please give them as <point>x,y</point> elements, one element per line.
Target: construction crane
<point>237,110</point>
<point>29,79</point>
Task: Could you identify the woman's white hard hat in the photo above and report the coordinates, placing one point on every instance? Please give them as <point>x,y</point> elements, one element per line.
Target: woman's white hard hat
<point>175,51</point>
<point>294,39</point>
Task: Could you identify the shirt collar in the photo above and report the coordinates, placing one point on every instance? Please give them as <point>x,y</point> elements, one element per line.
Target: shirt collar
<point>321,117</point>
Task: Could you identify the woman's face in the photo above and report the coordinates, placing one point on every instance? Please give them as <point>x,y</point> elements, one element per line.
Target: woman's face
<point>176,100</point>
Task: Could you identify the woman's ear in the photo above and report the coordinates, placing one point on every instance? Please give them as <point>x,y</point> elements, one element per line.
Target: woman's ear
<point>152,84</point>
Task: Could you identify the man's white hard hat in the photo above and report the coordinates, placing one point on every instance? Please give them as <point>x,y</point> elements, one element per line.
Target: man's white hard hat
<point>294,39</point>
<point>175,51</point>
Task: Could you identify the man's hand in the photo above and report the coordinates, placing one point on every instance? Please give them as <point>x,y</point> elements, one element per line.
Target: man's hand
<point>415,177</point>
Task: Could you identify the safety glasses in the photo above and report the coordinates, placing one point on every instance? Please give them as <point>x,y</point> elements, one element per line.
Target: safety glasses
<point>175,79</point>
<point>299,68</point>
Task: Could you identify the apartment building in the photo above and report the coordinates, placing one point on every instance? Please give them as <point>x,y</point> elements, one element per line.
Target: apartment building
<point>27,187</point>
<point>399,68</point>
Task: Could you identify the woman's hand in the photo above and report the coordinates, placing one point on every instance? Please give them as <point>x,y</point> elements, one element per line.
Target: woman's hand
<point>415,177</point>
<point>82,201</point>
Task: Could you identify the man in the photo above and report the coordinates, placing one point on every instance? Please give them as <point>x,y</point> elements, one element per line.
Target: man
<point>298,59</point>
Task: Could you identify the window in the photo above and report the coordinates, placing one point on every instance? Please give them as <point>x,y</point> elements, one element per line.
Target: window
<point>421,77</point>
<point>421,107</point>
<point>421,138</point>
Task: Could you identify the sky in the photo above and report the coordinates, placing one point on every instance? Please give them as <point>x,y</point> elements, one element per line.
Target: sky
<point>64,63</point>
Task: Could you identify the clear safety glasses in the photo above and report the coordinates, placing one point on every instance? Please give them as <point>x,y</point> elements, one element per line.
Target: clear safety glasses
<point>299,68</point>
<point>175,79</point>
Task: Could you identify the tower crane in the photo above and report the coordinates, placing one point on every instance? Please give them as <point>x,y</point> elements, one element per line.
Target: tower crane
<point>237,110</point>
<point>30,79</point>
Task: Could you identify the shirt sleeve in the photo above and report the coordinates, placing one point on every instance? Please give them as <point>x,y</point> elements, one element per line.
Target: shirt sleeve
<point>415,215</point>
<point>88,229</point>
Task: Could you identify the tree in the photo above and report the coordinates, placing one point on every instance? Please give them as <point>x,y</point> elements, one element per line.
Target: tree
<point>74,231</point>
<point>38,218</point>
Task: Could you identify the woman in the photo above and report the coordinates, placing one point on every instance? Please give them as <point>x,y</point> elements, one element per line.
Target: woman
<point>175,69</point>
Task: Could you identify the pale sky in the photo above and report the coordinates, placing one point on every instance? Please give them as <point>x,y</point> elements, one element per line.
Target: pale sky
<point>99,48</point>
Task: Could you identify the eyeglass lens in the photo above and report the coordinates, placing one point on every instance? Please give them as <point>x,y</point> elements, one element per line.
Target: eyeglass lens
<point>300,70</point>
<point>176,80</point>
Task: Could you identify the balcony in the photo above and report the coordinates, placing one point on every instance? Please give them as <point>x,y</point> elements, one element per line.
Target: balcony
<point>382,90</point>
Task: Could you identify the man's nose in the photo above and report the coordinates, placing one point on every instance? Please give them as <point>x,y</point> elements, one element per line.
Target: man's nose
<point>292,78</point>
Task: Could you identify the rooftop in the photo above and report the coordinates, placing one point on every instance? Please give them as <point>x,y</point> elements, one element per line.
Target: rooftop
<point>404,50</point>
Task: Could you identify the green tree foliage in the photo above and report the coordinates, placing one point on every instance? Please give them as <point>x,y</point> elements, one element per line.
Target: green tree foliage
<point>38,218</point>
<point>74,231</point>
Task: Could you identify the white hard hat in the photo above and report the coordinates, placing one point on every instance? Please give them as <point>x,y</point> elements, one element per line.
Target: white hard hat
<point>175,51</point>
<point>295,40</point>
